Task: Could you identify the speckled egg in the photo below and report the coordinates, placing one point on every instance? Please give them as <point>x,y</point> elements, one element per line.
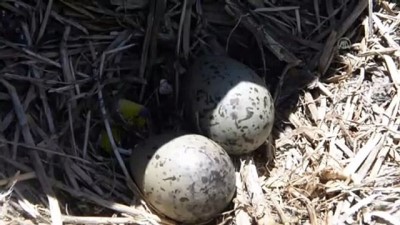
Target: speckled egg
<point>229,103</point>
<point>188,177</point>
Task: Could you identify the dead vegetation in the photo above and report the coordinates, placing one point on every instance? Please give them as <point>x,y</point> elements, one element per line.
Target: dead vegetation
<point>333,67</point>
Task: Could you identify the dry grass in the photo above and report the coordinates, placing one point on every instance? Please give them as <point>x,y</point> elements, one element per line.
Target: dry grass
<point>334,153</point>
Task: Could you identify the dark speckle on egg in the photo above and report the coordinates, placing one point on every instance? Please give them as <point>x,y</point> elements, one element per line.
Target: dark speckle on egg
<point>184,199</point>
<point>234,116</point>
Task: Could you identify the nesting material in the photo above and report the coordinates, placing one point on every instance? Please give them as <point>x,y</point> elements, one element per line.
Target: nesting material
<point>333,71</point>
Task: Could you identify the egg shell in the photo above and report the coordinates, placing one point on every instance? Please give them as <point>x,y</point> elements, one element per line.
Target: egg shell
<point>188,177</point>
<point>234,106</point>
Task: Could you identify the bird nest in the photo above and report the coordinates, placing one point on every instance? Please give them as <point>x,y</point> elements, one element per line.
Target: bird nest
<point>331,66</point>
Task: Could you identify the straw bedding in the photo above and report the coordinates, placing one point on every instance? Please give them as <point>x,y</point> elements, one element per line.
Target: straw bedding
<point>332,66</point>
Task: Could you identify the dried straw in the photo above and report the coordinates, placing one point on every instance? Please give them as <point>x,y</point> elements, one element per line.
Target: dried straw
<point>333,67</point>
